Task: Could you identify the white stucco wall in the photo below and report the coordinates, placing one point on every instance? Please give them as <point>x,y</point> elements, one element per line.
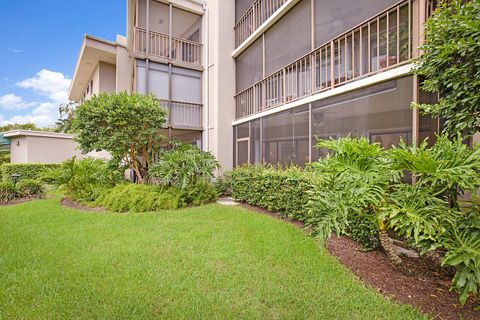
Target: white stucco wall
<point>44,149</point>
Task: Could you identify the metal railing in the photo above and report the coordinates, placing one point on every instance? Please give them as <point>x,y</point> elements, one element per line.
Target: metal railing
<point>254,17</point>
<point>183,114</point>
<point>181,50</point>
<point>380,43</point>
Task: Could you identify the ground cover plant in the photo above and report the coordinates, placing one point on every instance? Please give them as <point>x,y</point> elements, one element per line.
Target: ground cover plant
<point>210,262</point>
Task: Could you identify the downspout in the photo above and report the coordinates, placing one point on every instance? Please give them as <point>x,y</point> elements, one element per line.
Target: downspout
<point>207,85</point>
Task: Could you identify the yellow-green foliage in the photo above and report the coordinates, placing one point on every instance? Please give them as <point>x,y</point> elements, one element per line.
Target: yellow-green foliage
<point>141,198</point>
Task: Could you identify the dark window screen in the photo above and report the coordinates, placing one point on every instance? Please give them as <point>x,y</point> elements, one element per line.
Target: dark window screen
<point>241,6</point>
<point>249,67</point>
<point>289,39</point>
<point>332,18</point>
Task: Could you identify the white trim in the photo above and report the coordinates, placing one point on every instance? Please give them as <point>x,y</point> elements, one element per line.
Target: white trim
<point>264,27</point>
<point>358,84</point>
<point>44,134</point>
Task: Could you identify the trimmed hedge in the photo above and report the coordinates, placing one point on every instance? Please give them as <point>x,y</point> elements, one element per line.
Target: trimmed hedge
<point>32,171</point>
<point>285,191</point>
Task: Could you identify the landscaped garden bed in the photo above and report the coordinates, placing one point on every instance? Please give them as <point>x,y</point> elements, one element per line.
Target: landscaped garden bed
<point>420,284</point>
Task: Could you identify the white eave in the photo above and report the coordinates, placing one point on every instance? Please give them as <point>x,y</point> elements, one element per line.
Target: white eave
<point>93,51</point>
<point>43,134</point>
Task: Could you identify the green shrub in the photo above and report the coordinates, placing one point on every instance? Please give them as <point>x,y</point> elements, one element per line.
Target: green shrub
<point>141,198</point>
<point>363,230</point>
<point>200,194</point>
<point>223,184</point>
<point>8,191</point>
<point>84,180</point>
<point>31,188</point>
<point>26,170</point>
<point>280,190</point>
<point>184,166</point>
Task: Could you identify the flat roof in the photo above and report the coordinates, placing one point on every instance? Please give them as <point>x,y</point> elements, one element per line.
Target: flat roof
<point>93,51</point>
<point>31,133</point>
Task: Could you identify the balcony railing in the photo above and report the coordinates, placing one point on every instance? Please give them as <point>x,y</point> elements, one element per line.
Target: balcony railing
<point>382,42</point>
<point>181,50</point>
<point>255,16</point>
<point>184,114</point>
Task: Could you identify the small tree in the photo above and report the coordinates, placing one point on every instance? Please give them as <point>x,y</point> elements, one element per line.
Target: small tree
<point>451,63</point>
<point>127,126</point>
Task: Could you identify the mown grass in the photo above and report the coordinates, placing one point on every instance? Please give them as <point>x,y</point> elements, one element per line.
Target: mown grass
<point>212,262</point>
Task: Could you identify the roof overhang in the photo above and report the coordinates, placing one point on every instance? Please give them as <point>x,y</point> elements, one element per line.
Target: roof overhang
<point>94,50</point>
<point>44,134</point>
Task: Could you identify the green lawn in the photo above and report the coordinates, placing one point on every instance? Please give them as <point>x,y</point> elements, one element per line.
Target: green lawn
<point>212,262</point>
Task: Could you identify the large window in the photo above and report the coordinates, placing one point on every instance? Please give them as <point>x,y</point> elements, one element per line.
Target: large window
<point>285,138</point>
<point>289,39</point>
<point>381,113</point>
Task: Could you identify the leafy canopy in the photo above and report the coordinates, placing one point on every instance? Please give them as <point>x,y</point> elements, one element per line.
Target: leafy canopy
<point>127,126</point>
<point>451,66</point>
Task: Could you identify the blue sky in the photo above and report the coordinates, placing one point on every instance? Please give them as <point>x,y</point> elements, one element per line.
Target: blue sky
<point>39,46</point>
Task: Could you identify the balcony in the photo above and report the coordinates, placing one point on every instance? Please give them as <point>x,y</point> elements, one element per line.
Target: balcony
<point>381,43</point>
<point>183,115</point>
<point>171,49</point>
<point>255,16</point>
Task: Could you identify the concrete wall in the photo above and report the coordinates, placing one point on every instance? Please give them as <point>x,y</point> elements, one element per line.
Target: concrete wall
<point>28,149</point>
<point>220,75</point>
<point>34,149</point>
<point>124,70</point>
<point>103,79</point>
<point>18,150</point>
<point>107,78</point>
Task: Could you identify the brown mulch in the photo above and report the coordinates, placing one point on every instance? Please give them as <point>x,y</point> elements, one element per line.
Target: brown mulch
<point>422,286</point>
<point>69,203</point>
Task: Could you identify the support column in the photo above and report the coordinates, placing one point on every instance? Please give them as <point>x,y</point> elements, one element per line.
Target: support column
<point>221,80</point>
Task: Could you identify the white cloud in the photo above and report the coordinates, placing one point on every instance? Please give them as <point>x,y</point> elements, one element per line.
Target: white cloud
<point>44,115</point>
<point>15,50</point>
<point>52,84</point>
<point>14,102</point>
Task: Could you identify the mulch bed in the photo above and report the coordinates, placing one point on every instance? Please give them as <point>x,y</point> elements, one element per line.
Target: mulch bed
<point>69,203</point>
<point>418,283</point>
<point>422,286</point>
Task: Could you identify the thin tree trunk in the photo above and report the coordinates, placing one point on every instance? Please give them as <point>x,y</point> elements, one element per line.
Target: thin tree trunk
<point>387,245</point>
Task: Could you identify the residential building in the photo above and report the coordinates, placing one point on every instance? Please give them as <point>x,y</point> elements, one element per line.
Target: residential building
<point>271,76</point>
<point>27,146</point>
